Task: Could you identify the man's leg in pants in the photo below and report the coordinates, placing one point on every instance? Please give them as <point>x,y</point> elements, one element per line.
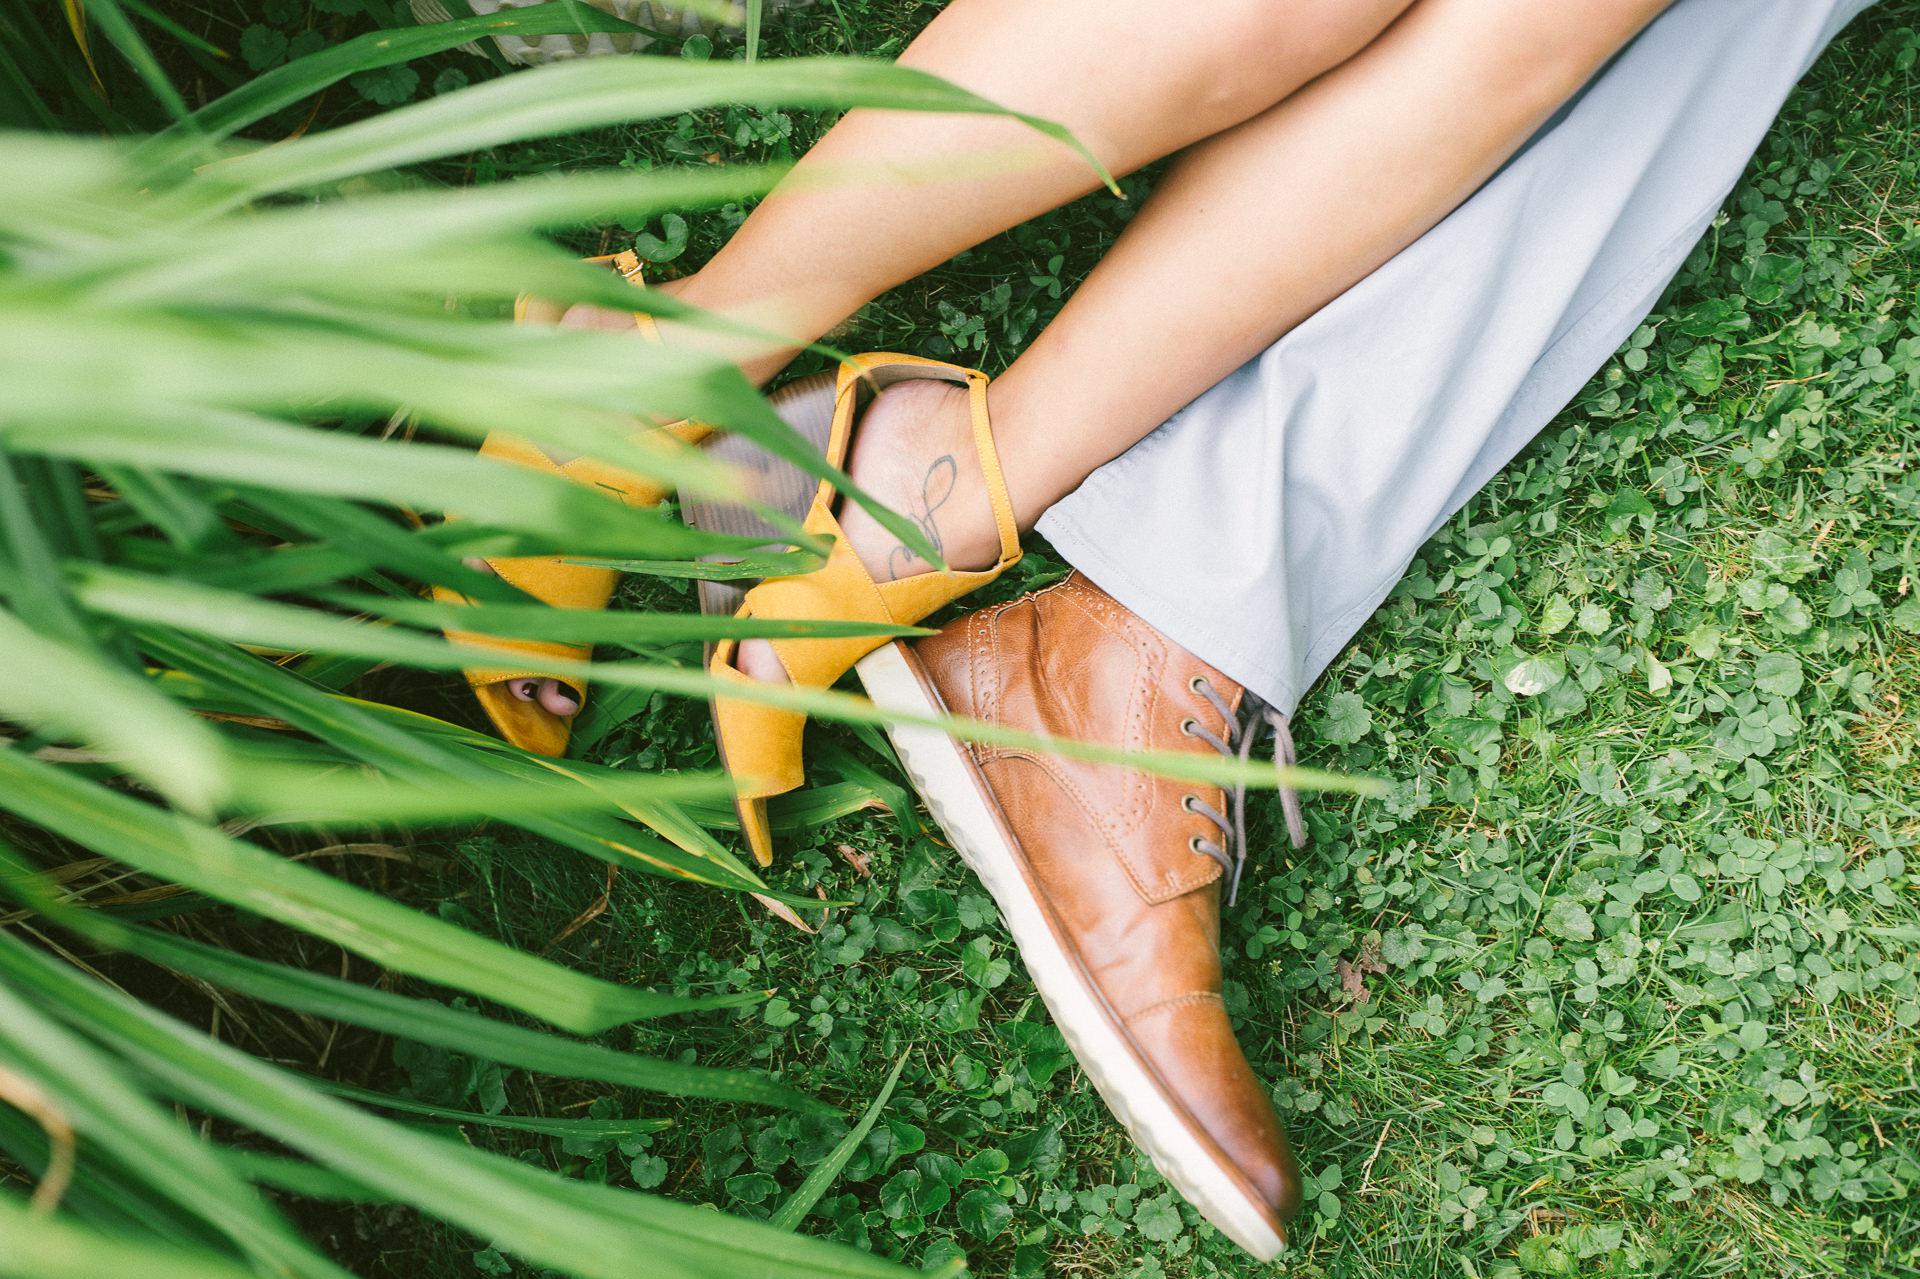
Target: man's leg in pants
<point>1263,524</point>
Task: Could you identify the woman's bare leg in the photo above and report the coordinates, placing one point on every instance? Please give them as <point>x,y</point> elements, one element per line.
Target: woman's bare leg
<point>1273,219</point>
<point>1132,83</point>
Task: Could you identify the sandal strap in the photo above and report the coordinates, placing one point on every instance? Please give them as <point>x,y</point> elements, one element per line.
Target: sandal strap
<point>989,454</point>
<point>630,268</point>
<point>840,590</point>
<point>843,589</point>
<point>762,743</point>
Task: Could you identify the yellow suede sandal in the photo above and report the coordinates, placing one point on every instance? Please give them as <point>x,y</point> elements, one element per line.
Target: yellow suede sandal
<point>760,745</point>
<point>555,581</point>
<point>551,579</point>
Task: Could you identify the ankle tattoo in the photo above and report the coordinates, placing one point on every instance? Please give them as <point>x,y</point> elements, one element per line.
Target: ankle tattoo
<point>936,486</point>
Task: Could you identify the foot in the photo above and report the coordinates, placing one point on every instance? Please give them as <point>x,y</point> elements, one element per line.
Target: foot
<point>1109,879</point>
<point>550,695</point>
<point>584,315</point>
<point>913,450</point>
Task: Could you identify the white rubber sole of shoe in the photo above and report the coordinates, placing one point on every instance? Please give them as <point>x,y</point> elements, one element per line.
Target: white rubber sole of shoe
<point>945,779</point>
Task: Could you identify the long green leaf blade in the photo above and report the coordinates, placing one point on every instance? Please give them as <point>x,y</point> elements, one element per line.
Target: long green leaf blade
<point>38,1247</point>
<point>178,849</point>
<point>103,1108</point>
<point>593,1232</point>
<point>415,746</point>
<point>425,1021</point>
<point>285,85</point>
<point>590,626</point>
<point>109,708</point>
<point>305,795</point>
<point>240,619</point>
<point>794,1211</point>
<point>592,92</point>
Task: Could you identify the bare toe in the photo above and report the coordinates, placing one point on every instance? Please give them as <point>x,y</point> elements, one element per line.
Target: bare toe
<point>524,689</point>
<point>477,564</point>
<point>757,660</point>
<point>556,698</point>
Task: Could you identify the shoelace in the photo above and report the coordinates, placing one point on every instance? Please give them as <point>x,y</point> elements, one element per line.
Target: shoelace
<point>1243,731</point>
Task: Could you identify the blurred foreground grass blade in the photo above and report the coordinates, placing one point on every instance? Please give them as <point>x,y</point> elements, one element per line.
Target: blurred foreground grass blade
<point>608,1129</point>
<point>591,626</point>
<point>106,1111</point>
<point>570,96</point>
<point>175,367</point>
<point>758,1256</point>
<point>666,813</point>
<point>290,794</point>
<point>258,451</point>
<point>175,848</point>
<point>384,257</point>
<point>120,713</point>
<point>576,391</point>
<point>753,1250</point>
<point>794,1211</point>
<point>33,1246</point>
<point>408,248</point>
<point>580,1229</point>
<point>375,353</point>
<point>354,540</point>
<point>401,742</point>
<point>339,1000</point>
<point>425,1021</point>
<point>105,1193</point>
<point>286,84</point>
<point>241,619</point>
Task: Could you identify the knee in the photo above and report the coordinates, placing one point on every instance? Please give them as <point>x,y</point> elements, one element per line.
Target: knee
<point>1259,51</point>
<point>1558,50</point>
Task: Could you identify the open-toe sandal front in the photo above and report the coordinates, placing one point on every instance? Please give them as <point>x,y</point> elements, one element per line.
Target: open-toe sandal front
<point>552,579</point>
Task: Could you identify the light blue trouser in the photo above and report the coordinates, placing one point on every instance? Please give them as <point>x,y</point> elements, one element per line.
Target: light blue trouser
<point>1263,524</point>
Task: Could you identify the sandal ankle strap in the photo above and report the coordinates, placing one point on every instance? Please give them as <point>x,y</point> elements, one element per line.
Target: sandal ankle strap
<point>984,445</point>
<point>877,370</point>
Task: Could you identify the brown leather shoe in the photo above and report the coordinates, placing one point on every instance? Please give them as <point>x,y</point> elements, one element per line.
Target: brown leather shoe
<point>1110,879</point>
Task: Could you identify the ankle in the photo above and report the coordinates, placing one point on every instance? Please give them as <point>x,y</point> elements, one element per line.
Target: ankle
<point>914,451</point>
<point>759,358</point>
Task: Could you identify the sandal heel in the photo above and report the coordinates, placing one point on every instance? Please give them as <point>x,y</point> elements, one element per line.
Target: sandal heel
<point>805,405</point>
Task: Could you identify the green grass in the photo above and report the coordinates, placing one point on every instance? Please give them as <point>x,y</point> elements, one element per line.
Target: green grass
<point>1618,979</point>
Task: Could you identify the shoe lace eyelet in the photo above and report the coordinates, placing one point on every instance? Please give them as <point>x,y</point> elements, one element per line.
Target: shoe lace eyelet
<point>1187,726</point>
<point>1193,846</point>
<point>1197,682</point>
<point>1188,801</point>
